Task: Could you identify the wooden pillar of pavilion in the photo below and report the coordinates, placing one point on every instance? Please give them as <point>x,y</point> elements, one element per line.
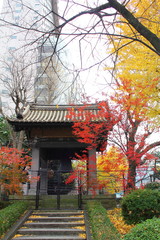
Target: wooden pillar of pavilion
<point>34,168</point>
<point>92,171</point>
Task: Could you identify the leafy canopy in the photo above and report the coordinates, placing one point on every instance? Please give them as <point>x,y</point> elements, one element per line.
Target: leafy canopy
<point>136,63</point>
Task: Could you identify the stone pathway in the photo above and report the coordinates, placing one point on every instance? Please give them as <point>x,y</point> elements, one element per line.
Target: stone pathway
<point>56,225</point>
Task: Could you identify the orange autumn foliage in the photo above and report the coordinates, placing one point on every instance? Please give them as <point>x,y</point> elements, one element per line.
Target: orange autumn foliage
<point>12,174</point>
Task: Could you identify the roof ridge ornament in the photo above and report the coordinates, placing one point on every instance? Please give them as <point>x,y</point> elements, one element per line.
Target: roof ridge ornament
<point>26,109</point>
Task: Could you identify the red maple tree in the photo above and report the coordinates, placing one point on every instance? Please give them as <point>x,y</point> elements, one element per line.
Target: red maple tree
<point>124,124</point>
<point>92,127</point>
<point>133,132</point>
<point>12,170</point>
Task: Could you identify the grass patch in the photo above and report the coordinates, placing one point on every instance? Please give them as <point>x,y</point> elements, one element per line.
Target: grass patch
<point>66,202</point>
<point>108,201</point>
<point>101,226</point>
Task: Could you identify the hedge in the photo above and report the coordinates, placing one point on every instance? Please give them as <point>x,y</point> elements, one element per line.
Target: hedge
<point>148,230</point>
<point>101,226</point>
<point>140,205</point>
<point>10,214</point>
<point>153,186</point>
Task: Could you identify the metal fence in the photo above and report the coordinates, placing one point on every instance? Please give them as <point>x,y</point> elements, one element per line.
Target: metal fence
<point>82,183</point>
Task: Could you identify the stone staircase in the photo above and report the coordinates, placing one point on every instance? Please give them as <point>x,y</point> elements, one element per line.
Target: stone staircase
<point>56,225</point>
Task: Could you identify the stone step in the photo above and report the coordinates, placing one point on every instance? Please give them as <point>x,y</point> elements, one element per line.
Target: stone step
<point>46,219</point>
<point>52,224</point>
<point>58,214</point>
<point>49,238</point>
<point>50,231</point>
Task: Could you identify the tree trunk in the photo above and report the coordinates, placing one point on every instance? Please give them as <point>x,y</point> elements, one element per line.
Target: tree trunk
<point>20,140</point>
<point>17,139</point>
<point>14,139</point>
<point>131,178</point>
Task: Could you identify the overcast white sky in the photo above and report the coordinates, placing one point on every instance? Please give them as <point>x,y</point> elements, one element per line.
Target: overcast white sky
<point>1,1</point>
<point>95,78</point>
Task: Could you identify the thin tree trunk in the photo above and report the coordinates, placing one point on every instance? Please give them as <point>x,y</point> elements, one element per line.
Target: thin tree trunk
<point>14,139</point>
<point>17,139</point>
<point>20,140</point>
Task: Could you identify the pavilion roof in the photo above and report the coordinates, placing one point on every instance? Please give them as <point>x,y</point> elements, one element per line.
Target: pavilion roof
<point>35,113</point>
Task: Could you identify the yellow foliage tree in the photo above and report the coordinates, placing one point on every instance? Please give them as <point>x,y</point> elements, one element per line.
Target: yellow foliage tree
<point>137,63</point>
<point>112,166</point>
<point>147,12</point>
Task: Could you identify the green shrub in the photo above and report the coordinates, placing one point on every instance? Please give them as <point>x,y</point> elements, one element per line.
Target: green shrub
<point>148,230</point>
<point>102,228</point>
<point>140,205</point>
<point>152,185</point>
<point>10,214</point>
